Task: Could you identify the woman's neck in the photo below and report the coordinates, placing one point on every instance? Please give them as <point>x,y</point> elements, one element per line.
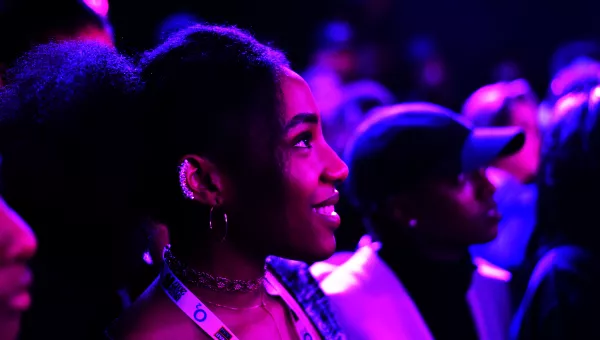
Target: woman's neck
<point>225,261</point>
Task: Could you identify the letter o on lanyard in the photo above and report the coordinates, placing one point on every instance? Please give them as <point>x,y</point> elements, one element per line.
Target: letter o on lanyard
<point>200,314</point>
<point>307,336</point>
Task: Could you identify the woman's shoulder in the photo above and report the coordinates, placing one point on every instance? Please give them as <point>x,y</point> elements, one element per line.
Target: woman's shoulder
<point>295,276</point>
<point>564,259</point>
<point>561,295</point>
<point>566,268</point>
<point>153,317</point>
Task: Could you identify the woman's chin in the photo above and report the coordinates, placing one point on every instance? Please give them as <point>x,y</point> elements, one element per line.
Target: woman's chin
<point>320,251</point>
<point>309,251</point>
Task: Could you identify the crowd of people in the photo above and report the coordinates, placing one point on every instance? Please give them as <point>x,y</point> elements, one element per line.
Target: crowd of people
<point>189,192</point>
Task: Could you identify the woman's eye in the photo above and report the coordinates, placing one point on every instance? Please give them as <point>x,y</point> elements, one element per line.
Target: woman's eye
<point>305,143</point>
<point>304,140</point>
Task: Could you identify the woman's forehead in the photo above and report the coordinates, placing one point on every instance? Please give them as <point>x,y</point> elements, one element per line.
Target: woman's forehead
<point>297,95</point>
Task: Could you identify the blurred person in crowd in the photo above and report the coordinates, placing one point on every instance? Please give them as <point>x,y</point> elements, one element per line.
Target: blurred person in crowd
<point>575,67</point>
<point>343,101</point>
<point>241,171</point>
<point>342,92</point>
<point>174,23</point>
<point>359,98</point>
<point>430,76</point>
<point>68,143</point>
<point>17,247</point>
<point>32,22</point>
<point>418,175</point>
<point>572,51</point>
<point>506,104</point>
<point>562,298</point>
<point>333,64</point>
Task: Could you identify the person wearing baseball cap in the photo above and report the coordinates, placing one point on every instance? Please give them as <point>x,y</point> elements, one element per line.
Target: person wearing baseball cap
<point>418,176</point>
<point>501,104</point>
<point>509,104</point>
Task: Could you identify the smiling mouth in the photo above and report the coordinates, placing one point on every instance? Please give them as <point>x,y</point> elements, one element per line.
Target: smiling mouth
<point>327,207</point>
<point>328,210</point>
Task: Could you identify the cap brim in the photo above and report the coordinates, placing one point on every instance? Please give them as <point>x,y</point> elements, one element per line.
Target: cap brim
<point>486,145</point>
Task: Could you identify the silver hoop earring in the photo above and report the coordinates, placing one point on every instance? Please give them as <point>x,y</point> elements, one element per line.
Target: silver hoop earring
<point>210,223</point>
<point>183,169</point>
<point>412,223</point>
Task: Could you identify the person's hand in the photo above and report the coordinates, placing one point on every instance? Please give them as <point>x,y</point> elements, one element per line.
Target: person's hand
<point>17,246</point>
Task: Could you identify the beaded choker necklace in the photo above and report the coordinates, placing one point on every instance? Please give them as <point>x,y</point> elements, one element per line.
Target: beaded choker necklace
<point>206,280</point>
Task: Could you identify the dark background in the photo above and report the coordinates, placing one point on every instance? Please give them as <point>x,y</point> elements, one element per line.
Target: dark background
<point>473,35</point>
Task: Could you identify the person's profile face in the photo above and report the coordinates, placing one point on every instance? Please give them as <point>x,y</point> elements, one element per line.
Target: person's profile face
<point>460,211</point>
<point>17,246</point>
<point>311,171</point>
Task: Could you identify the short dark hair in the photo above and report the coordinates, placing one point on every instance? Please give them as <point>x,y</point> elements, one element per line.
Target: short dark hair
<point>32,22</point>
<point>68,143</point>
<point>70,99</point>
<point>66,135</point>
<point>211,91</point>
<point>568,182</point>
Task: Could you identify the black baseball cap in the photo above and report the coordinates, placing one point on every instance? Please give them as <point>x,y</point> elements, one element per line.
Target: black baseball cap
<point>401,145</point>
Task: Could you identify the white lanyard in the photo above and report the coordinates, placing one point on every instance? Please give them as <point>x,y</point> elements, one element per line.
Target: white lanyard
<point>300,320</point>
<point>193,307</point>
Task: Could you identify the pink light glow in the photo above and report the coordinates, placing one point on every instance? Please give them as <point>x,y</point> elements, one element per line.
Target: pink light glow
<point>147,258</point>
<point>567,103</point>
<point>596,93</point>
<point>489,270</point>
<point>100,7</point>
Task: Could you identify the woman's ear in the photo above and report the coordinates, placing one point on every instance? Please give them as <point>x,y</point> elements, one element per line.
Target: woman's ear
<point>203,180</point>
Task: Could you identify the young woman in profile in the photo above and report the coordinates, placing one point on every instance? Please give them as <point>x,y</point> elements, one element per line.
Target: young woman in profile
<point>238,170</point>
